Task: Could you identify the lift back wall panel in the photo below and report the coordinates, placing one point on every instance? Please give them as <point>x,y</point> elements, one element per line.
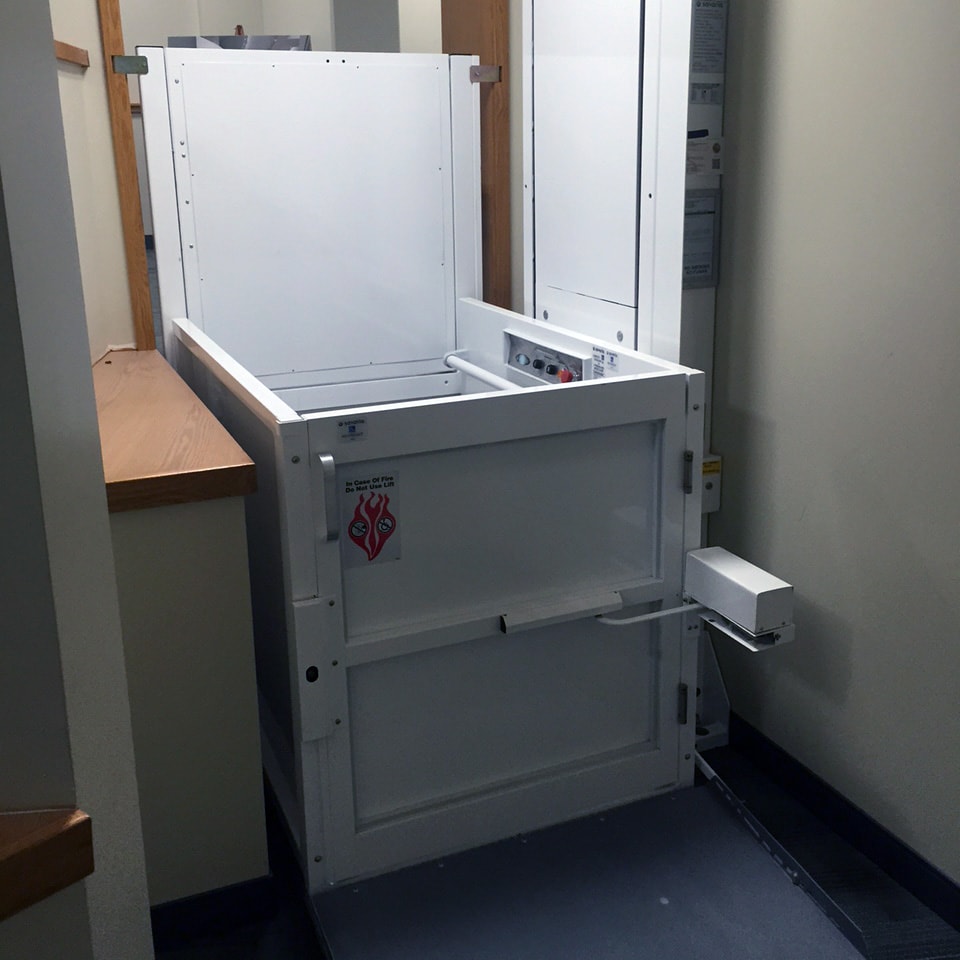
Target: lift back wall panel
<point>359,238</point>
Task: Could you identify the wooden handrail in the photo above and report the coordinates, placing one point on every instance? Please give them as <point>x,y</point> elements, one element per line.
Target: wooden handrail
<point>67,53</point>
<point>41,852</point>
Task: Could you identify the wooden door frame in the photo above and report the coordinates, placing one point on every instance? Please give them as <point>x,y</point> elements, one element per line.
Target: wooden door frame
<point>128,181</point>
<point>481,27</point>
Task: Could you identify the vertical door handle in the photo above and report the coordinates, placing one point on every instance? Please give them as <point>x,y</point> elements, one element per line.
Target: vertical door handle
<point>331,515</point>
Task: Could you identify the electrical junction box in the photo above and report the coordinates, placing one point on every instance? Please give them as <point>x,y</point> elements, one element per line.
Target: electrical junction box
<point>750,597</point>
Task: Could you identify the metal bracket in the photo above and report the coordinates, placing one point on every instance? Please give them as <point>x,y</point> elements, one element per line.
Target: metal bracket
<point>128,65</point>
<point>688,471</point>
<point>485,74</point>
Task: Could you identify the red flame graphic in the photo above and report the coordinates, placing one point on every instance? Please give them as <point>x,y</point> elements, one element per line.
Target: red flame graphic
<point>372,524</point>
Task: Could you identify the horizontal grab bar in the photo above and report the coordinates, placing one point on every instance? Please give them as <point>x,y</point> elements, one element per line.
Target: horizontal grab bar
<point>656,615</point>
<point>478,373</point>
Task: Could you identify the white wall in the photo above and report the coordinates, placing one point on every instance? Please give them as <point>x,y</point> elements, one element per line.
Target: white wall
<point>54,518</point>
<point>835,400</point>
<point>93,180</point>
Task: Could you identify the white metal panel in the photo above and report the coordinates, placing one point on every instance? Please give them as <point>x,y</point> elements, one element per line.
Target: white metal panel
<point>477,538</point>
<point>526,98</point>
<point>594,242</point>
<point>482,714</point>
<point>601,319</point>
<point>585,105</point>
<point>158,147</point>
<point>666,73</point>
<point>465,150</point>
<point>315,202</point>
<point>516,762</point>
<point>481,328</point>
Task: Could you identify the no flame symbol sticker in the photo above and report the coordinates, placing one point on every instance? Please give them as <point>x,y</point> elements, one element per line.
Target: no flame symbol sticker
<point>369,510</point>
<point>372,524</point>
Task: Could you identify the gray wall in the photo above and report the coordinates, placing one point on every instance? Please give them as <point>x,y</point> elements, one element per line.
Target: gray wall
<point>64,719</point>
<point>838,359</point>
<point>366,25</point>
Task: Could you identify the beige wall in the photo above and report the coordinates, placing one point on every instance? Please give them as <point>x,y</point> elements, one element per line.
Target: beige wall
<point>835,399</point>
<point>188,637</point>
<point>149,23</point>
<point>419,26</point>
<point>93,180</point>
<point>301,16</point>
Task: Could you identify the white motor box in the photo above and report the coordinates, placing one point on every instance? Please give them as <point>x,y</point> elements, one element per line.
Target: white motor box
<point>750,597</point>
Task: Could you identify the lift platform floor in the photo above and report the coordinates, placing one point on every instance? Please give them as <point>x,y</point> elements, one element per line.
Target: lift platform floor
<point>675,877</point>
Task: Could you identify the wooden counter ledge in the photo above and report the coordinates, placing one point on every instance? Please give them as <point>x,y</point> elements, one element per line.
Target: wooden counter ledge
<point>160,444</point>
<point>41,852</point>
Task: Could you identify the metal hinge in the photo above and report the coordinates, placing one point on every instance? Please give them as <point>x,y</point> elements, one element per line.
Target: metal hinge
<point>683,697</point>
<point>128,65</point>
<point>688,471</point>
<point>485,74</point>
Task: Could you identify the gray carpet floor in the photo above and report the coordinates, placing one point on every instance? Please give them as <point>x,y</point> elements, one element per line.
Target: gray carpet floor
<point>676,877</point>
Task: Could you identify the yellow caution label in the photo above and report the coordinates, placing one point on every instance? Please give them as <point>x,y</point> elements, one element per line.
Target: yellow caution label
<point>711,466</point>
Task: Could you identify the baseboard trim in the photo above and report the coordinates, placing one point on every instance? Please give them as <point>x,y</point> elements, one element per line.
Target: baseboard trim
<point>213,912</point>
<point>915,874</point>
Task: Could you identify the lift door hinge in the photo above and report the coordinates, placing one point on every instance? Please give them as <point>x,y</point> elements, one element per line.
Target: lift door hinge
<point>485,74</point>
<point>128,65</point>
<point>688,471</point>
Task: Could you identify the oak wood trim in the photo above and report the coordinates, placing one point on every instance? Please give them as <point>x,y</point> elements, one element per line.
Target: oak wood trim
<point>118,96</point>
<point>41,852</point>
<point>481,27</point>
<point>67,53</point>
<point>160,444</point>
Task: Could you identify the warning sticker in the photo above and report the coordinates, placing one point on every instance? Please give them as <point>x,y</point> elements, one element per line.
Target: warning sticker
<point>709,36</point>
<point>369,519</point>
<point>606,362</point>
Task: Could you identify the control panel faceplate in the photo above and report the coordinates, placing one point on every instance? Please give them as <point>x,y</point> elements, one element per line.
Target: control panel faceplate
<point>542,362</point>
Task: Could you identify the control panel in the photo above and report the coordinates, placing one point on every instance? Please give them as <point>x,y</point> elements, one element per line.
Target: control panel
<point>543,362</point>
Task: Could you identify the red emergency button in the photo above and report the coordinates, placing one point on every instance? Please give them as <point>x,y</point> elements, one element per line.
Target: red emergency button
<point>564,376</point>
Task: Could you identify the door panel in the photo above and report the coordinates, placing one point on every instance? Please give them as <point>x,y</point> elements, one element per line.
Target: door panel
<point>586,111</point>
<point>449,733</point>
<point>484,528</point>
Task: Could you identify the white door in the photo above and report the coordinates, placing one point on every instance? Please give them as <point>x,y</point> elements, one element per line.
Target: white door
<point>447,521</point>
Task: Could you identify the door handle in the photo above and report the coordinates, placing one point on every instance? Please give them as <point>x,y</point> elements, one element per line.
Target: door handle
<point>331,517</point>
